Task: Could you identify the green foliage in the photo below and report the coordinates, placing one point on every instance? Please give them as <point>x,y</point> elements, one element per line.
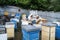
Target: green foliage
<point>50,5</point>
<point>24,1</point>
<point>57,5</point>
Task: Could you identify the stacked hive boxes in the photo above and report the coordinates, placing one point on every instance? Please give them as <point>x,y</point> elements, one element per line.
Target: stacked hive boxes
<point>3,34</point>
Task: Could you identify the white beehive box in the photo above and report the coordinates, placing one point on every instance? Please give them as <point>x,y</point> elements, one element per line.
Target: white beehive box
<point>3,36</point>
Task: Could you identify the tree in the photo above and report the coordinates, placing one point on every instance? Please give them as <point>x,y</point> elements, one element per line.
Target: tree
<point>49,5</point>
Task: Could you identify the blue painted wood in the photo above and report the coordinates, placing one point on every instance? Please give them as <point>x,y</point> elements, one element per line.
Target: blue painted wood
<point>57,32</point>
<point>32,35</point>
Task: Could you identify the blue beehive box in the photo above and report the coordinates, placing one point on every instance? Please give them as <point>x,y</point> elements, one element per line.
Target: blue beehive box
<point>15,27</point>
<point>18,16</point>
<point>30,33</point>
<point>33,35</point>
<point>57,31</point>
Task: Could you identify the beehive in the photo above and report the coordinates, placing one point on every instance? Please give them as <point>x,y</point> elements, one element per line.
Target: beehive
<point>48,33</point>
<point>10,32</point>
<point>10,29</point>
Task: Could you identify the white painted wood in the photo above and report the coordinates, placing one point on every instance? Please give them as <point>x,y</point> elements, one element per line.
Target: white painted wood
<point>3,36</point>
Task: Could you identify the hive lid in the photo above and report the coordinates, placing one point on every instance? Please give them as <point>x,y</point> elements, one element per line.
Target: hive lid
<point>49,24</point>
<point>29,28</point>
<point>58,23</point>
<point>9,23</point>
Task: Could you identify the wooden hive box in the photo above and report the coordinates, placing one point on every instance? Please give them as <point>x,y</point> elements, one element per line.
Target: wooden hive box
<point>48,33</point>
<point>10,30</point>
